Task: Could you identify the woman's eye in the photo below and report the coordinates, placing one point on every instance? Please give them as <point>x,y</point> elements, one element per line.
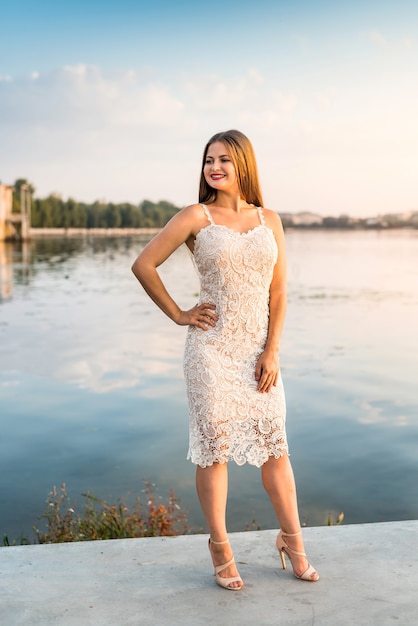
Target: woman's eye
<point>225,160</point>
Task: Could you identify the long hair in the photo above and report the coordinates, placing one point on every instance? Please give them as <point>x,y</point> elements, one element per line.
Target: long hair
<point>242,156</point>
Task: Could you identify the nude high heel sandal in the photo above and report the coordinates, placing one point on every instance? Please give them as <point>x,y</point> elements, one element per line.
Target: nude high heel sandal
<point>284,548</point>
<point>225,582</point>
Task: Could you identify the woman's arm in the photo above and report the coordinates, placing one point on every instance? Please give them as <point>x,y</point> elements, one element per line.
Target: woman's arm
<point>267,370</point>
<point>182,228</point>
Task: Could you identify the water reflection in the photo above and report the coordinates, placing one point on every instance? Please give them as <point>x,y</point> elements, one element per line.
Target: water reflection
<point>78,312</point>
<point>6,273</point>
<point>14,267</point>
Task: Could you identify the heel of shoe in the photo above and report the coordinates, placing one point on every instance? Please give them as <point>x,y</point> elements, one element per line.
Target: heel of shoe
<point>283,558</point>
<point>280,545</point>
<point>285,549</point>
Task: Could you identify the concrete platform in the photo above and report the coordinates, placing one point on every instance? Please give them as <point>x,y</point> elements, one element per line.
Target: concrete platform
<point>369,575</point>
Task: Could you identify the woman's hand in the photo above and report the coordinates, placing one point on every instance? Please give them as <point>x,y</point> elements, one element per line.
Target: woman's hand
<point>267,371</point>
<point>201,315</point>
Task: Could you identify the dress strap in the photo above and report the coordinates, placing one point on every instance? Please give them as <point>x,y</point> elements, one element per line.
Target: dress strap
<point>261,215</point>
<point>207,212</point>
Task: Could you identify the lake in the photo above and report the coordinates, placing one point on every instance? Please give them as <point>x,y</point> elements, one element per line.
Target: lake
<point>92,391</point>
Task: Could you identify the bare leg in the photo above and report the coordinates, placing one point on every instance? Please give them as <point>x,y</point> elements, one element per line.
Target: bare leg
<point>212,489</point>
<point>279,482</point>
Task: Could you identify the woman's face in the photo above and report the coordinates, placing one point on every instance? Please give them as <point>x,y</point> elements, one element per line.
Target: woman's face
<point>218,168</point>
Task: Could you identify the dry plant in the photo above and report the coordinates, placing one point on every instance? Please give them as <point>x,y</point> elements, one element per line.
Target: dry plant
<point>100,520</point>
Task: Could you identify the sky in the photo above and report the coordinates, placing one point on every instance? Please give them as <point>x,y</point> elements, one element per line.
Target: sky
<point>114,101</point>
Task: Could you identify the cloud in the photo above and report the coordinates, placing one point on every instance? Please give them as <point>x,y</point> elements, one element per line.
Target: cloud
<point>76,129</point>
<point>371,413</point>
<point>404,43</point>
<point>81,100</point>
<point>78,121</point>
<point>121,136</point>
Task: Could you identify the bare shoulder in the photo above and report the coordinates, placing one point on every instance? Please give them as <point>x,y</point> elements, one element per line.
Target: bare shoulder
<point>193,215</point>
<point>273,220</point>
<point>182,228</point>
<point>193,211</point>
<point>183,225</point>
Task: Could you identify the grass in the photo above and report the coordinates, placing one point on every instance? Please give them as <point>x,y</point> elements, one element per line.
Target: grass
<point>98,520</point>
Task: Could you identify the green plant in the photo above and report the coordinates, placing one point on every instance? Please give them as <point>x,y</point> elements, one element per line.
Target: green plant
<point>338,521</point>
<point>22,541</point>
<point>100,520</point>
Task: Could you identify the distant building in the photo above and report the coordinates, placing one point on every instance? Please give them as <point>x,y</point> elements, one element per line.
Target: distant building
<point>304,218</point>
<point>6,202</point>
<point>14,225</point>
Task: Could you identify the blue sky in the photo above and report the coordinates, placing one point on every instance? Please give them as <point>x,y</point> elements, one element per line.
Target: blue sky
<point>116,100</point>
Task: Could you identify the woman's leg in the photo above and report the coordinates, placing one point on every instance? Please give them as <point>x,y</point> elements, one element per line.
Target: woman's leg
<point>279,482</point>
<point>212,489</point>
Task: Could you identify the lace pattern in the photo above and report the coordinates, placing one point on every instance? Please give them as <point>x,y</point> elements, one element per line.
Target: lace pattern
<point>229,418</point>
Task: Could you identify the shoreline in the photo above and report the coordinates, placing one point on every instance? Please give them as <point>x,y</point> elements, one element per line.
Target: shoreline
<point>85,232</point>
<point>116,232</point>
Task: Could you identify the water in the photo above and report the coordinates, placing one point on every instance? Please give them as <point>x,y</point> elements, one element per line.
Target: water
<point>92,391</point>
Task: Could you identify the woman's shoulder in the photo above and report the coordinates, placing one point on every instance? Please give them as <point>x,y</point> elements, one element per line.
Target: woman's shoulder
<point>195,206</point>
<point>189,212</point>
<point>273,221</point>
<point>195,210</point>
<point>194,215</point>
<point>272,218</point>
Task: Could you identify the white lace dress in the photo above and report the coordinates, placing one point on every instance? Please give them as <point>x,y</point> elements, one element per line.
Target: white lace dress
<point>229,418</point>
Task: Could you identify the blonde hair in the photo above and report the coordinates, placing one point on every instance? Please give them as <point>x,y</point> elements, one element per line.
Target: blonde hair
<point>242,156</point>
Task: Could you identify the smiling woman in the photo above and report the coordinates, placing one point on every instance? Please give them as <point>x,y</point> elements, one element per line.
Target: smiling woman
<point>236,398</point>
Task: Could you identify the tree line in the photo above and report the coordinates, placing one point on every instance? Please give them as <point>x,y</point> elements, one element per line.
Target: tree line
<point>55,212</point>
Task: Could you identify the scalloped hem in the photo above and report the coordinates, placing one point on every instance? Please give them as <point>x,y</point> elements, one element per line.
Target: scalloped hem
<point>245,461</point>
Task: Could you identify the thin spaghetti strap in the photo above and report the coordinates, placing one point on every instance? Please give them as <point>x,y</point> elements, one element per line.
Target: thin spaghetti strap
<point>207,212</point>
<point>261,216</point>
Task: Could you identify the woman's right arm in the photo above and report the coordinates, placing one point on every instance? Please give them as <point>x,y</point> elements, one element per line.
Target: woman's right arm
<point>181,228</point>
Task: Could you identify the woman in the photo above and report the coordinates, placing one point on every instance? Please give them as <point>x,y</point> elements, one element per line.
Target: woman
<point>231,363</point>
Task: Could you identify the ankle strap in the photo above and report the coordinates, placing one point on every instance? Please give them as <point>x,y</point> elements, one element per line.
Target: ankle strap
<point>218,543</point>
<point>290,534</point>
